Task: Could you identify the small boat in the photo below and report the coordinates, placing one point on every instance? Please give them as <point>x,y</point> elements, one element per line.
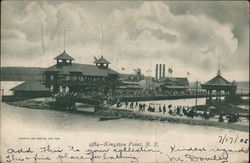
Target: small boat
<point>106,118</point>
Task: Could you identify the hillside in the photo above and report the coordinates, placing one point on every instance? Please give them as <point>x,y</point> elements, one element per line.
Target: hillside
<point>21,73</point>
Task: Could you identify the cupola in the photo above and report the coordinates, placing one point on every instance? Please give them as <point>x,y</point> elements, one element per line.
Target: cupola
<point>64,59</point>
<point>101,62</point>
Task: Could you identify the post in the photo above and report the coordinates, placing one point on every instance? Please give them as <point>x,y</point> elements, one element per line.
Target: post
<point>219,96</point>
<point>211,95</point>
<point>206,94</point>
<point>196,90</point>
<point>2,94</point>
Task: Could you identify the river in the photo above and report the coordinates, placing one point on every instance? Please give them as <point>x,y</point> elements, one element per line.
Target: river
<point>18,123</point>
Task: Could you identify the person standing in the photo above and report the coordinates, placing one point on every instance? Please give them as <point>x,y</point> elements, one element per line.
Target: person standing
<point>164,109</point>
<point>221,117</point>
<point>126,104</point>
<point>160,109</point>
<point>132,105</point>
<point>136,104</point>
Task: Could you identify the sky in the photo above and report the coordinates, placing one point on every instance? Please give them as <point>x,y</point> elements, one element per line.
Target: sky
<point>195,37</point>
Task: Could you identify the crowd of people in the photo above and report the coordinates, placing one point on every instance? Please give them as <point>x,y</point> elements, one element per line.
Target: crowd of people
<point>67,99</point>
<point>157,107</point>
<point>175,110</point>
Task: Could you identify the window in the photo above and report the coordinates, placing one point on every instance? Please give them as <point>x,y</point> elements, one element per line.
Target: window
<point>72,77</point>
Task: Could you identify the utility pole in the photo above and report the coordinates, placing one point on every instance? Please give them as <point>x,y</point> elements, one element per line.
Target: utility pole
<point>102,40</point>
<point>42,39</point>
<point>64,38</point>
<point>196,93</point>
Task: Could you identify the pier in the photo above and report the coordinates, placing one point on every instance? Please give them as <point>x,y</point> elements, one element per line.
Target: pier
<point>169,97</point>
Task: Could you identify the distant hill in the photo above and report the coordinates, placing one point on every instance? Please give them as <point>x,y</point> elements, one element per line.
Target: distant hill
<point>243,84</point>
<point>240,84</point>
<point>21,73</point>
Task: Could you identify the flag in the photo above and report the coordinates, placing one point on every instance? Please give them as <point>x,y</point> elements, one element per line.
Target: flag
<point>123,68</point>
<point>188,73</point>
<point>149,70</point>
<point>170,70</point>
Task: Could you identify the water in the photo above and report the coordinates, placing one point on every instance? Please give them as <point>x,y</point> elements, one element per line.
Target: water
<point>7,85</point>
<point>80,130</point>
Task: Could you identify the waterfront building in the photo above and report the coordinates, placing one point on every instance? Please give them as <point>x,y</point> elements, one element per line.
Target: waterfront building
<point>219,85</point>
<point>87,79</point>
<point>131,77</point>
<point>14,76</point>
<point>30,89</point>
<point>130,84</point>
<point>174,85</point>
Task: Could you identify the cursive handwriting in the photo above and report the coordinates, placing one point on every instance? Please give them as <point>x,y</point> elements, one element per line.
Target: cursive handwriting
<point>21,150</point>
<point>189,149</point>
<point>49,149</point>
<point>116,152</point>
<point>223,158</point>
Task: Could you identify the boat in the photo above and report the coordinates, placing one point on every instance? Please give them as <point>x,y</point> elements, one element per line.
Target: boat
<point>106,118</point>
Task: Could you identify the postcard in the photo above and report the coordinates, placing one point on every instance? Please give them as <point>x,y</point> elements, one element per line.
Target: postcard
<point>124,81</point>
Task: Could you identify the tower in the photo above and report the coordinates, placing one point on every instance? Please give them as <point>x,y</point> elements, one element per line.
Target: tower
<point>160,72</point>
<point>156,71</point>
<point>163,71</point>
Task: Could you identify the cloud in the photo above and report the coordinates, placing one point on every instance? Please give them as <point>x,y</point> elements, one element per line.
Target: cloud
<point>139,36</point>
<point>187,39</point>
<point>25,33</point>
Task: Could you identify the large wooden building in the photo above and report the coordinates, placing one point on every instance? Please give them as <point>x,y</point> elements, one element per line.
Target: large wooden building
<point>66,76</point>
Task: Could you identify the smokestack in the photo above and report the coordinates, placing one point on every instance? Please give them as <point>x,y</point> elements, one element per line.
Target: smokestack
<point>163,71</point>
<point>160,72</point>
<point>156,71</point>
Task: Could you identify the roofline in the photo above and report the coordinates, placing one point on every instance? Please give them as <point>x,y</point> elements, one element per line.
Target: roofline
<point>12,89</point>
<point>56,58</point>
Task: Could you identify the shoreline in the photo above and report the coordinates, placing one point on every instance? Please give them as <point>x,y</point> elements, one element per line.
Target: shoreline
<point>129,114</point>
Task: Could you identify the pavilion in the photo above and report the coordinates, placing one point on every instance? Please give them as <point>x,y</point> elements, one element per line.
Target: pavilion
<point>219,84</point>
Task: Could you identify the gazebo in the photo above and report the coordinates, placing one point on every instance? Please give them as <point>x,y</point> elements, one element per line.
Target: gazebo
<point>219,84</point>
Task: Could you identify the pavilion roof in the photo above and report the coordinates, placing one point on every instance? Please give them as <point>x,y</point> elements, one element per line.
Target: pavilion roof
<point>218,80</point>
<point>101,60</point>
<point>30,86</point>
<point>84,69</point>
<point>64,56</point>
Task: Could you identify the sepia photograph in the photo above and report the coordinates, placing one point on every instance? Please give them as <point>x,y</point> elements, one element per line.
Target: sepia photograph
<point>121,81</point>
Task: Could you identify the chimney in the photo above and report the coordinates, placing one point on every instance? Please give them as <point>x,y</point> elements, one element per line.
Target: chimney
<point>163,71</point>
<point>156,71</point>
<point>160,72</point>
